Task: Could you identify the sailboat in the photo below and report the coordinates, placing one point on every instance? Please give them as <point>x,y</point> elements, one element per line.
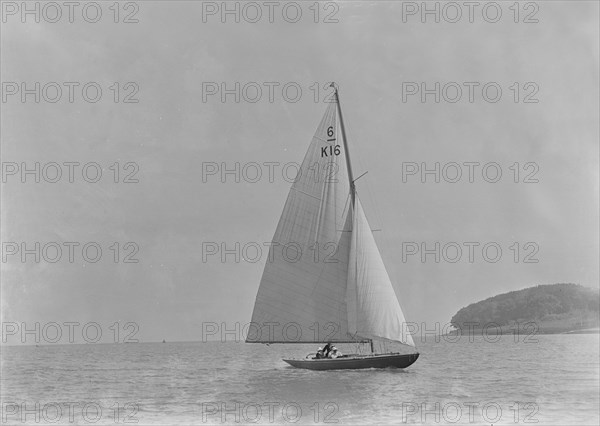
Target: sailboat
<point>324,280</point>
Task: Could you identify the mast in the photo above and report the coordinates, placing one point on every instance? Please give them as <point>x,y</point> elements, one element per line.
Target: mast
<point>348,163</point>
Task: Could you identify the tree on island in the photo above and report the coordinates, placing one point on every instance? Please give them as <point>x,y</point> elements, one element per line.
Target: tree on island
<point>555,308</point>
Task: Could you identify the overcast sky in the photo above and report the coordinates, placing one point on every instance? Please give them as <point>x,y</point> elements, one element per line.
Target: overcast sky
<point>172,133</point>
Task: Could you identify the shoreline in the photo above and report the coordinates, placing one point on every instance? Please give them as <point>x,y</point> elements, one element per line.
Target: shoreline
<point>524,331</point>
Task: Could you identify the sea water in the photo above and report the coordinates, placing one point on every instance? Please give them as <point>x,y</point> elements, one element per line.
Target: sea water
<point>547,379</point>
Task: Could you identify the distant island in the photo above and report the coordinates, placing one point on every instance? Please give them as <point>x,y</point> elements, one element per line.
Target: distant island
<point>544,309</point>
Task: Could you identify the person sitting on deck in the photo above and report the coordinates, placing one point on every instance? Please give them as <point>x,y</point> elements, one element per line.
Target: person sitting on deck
<point>335,353</point>
<point>319,354</point>
<point>327,350</point>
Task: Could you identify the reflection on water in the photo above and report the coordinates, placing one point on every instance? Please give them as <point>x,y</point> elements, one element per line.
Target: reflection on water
<point>554,381</point>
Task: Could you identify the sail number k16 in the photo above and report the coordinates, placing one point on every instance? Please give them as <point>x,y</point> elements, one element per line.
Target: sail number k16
<point>330,150</point>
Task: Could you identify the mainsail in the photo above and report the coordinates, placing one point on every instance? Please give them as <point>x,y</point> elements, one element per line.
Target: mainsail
<point>324,280</point>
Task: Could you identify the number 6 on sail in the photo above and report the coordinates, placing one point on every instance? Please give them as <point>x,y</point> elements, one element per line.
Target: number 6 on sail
<point>347,299</point>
